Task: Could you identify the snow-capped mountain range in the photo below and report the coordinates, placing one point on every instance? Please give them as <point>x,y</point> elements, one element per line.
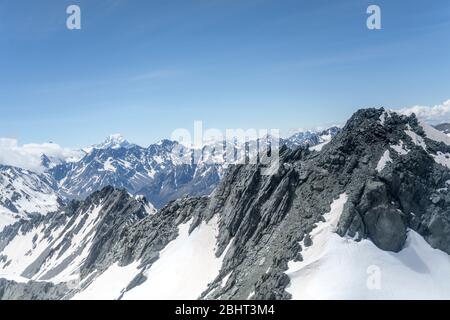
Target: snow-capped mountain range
<point>372,199</point>
<point>161,172</point>
<point>157,172</point>
<point>310,137</point>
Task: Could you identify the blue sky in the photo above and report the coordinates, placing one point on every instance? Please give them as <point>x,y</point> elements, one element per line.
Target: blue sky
<point>145,68</point>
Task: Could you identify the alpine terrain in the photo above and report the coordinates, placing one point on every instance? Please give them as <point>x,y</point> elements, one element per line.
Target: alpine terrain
<point>362,215</point>
<point>24,193</point>
<point>162,172</point>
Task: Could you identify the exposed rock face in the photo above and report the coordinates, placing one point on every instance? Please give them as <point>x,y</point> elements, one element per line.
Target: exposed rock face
<point>399,196</point>
<point>267,216</point>
<point>11,290</point>
<point>163,172</point>
<point>57,247</point>
<point>144,240</point>
<point>391,168</point>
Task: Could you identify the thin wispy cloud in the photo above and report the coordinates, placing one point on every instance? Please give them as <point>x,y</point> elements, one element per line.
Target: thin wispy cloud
<point>156,75</point>
<point>85,84</point>
<point>375,52</point>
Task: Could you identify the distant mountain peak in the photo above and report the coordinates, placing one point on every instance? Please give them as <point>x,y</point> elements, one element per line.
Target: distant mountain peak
<point>113,141</point>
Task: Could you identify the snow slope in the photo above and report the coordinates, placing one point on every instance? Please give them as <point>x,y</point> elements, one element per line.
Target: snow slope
<point>185,267</point>
<point>384,160</point>
<point>69,243</point>
<point>23,192</point>
<point>6,218</point>
<point>435,134</point>
<point>183,271</point>
<point>110,284</point>
<point>341,268</point>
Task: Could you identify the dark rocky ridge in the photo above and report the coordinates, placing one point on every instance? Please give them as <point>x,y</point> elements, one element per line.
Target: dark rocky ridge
<point>268,216</point>
<point>162,172</point>
<point>59,231</point>
<point>265,218</point>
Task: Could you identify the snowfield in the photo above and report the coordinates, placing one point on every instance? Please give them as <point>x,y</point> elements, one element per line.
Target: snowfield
<point>63,266</point>
<point>185,268</point>
<point>23,192</point>
<point>434,134</point>
<point>341,268</point>
<point>6,218</point>
<point>384,160</point>
<point>110,284</point>
<point>400,148</point>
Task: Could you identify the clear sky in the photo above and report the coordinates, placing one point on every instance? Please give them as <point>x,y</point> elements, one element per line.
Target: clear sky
<point>145,68</point>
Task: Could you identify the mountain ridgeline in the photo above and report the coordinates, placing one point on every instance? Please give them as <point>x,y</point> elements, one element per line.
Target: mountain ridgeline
<point>154,172</point>
<point>159,172</point>
<point>382,179</point>
<point>162,172</point>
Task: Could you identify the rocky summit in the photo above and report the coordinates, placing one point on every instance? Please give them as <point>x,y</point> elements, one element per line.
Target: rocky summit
<point>374,197</point>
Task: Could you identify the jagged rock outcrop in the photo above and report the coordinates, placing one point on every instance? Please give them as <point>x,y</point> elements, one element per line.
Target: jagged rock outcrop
<point>33,290</point>
<point>162,172</point>
<point>265,218</point>
<point>391,171</point>
<point>57,247</point>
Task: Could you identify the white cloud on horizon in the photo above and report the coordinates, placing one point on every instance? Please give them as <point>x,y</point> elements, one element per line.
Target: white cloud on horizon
<point>437,114</point>
<point>28,156</point>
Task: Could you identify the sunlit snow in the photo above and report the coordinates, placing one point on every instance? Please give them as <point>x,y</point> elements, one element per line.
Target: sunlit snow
<point>185,268</point>
<point>341,268</point>
<point>385,159</point>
